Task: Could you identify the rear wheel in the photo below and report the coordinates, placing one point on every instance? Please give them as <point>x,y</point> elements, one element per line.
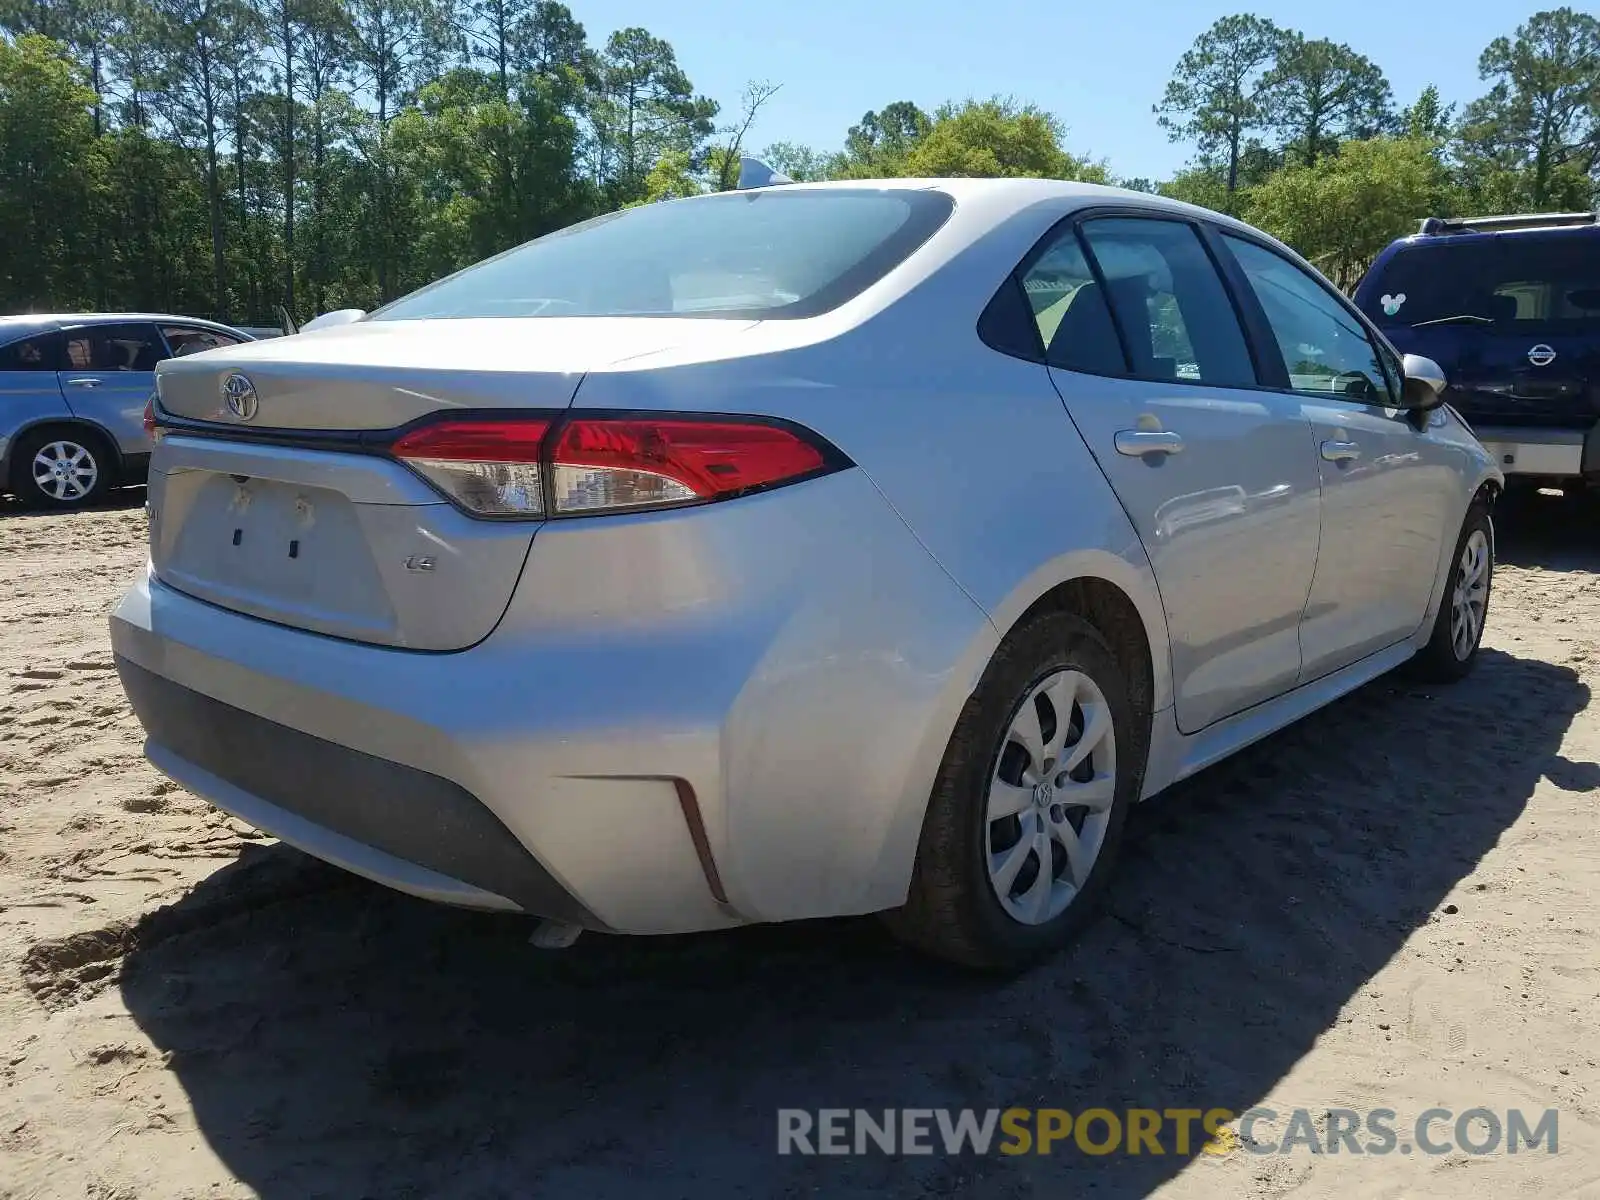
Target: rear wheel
<point>1458,630</point>
<point>1026,815</point>
<point>60,468</point>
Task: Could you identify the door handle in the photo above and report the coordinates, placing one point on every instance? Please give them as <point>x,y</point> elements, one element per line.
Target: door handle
<point>84,382</point>
<point>1136,443</point>
<point>1338,452</point>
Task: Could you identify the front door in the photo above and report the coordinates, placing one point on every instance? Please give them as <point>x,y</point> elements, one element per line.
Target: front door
<point>1218,476</point>
<point>109,375</point>
<point>1386,487</point>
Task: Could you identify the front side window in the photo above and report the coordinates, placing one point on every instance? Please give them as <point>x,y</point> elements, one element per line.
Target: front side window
<point>1522,283</point>
<point>1171,307</point>
<point>1325,349</point>
<point>109,348</point>
<point>764,254</point>
<point>40,353</point>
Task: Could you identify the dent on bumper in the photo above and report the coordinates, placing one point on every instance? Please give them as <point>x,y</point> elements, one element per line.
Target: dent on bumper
<point>806,699</point>
<point>402,826</point>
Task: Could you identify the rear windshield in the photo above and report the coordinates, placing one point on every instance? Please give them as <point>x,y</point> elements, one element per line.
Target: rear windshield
<point>763,254</point>
<point>1513,281</point>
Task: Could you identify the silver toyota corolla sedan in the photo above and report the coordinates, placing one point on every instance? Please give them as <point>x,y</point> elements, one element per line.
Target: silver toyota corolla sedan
<point>795,552</point>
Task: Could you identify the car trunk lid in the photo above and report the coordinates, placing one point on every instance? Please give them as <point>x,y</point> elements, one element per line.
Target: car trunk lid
<point>275,497</point>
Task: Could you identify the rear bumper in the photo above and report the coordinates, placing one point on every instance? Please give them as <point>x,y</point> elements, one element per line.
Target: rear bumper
<point>686,720</point>
<point>389,822</point>
<point>1550,453</point>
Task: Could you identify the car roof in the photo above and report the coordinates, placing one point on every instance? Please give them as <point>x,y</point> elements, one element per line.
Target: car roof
<point>1445,237</point>
<point>1022,193</point>
<point>55,320</point>
<point>996,200</point>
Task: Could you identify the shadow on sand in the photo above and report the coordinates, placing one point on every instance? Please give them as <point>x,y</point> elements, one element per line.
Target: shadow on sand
<point>338,1040</point>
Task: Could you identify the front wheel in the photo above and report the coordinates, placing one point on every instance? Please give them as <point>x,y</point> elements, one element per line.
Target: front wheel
<point>1027,811</point>
<point>1458,630</point>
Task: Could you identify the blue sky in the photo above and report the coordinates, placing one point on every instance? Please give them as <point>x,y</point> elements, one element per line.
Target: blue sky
<point>1097,64</point>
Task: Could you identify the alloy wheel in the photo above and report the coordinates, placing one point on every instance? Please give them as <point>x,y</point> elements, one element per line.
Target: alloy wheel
<point>65,471</point>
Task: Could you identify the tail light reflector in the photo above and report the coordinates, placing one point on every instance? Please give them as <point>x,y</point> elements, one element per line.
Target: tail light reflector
<point>489,468</point>
<point>615,464</point>
<point>510,467</point>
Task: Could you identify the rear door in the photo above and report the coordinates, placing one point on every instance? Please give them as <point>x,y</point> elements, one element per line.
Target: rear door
<point>1387,489</point>
<point>1218,476</point>
<point>29,390</point>
<point>109,374</point>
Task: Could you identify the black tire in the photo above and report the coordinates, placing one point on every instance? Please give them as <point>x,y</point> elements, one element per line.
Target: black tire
<point>27,448</point>
<point>1443,660</point>
<point>952,910</point>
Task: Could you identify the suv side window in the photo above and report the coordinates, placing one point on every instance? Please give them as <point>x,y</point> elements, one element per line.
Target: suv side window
<point>1070,310</point>
<point>186,339</point>
<point>1175,316</point>
<point>105,348</point>
<point>1325,349</point>
<point>42,352</point>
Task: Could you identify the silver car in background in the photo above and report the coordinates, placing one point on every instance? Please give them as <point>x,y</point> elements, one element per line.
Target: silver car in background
<point>797,552</point>
<point>73,390</point>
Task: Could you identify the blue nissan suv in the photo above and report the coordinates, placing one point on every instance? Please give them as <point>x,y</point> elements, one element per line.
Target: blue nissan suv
<point>1510,308</point>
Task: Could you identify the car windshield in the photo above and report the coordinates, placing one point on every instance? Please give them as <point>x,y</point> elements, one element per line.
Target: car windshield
<point>758,254</point>
<point>1515,282</point>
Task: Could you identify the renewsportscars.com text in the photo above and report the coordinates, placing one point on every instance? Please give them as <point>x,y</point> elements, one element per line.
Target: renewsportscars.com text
<point>1177,1131</point>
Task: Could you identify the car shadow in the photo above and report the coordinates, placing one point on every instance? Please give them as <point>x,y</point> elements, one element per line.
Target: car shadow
<point>132,496</point>
<point>1556,533</point>
<point>336,1039</point>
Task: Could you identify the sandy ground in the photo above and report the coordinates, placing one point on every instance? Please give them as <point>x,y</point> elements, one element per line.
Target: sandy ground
<point>1396,903</point>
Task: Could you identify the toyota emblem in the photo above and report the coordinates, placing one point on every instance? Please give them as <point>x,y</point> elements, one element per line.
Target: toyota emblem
<point>1541,355</point>
<point>239,394</point>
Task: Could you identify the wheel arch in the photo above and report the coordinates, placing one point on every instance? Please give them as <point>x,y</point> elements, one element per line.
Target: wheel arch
<point>1490,486</point>
<point>1120,598</point>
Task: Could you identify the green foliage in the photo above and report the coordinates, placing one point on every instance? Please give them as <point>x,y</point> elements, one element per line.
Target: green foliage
<point>1534,139</point>
<point>1300,134</point>
<point>1340,212</point>
<point>48,163</point>
<point>800,163</point>
<point>1320,93</point>
<point>223,156</point>
<point>1216,97</point>
<point>985,138</point>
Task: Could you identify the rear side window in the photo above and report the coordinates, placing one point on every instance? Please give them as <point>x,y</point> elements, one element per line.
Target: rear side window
<point>1069,308</point>
<point>1170,304</point>
<point>40,353</point>
<point>106,348</point>
<point>185,339</point>
<point>766,254</point>
<point>1512,281</point>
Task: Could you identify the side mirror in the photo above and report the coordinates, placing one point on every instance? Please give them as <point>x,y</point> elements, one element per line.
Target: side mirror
<point>339,316</point>
<point>1424,383</point>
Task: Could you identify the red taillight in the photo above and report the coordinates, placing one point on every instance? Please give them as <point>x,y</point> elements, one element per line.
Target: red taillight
<point>608,464</point>
<point>150,418</point>
<point>488,467</point>
<point>502,467</point>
